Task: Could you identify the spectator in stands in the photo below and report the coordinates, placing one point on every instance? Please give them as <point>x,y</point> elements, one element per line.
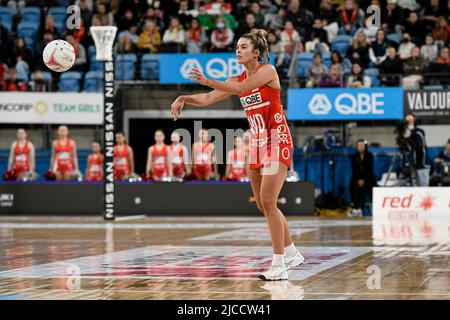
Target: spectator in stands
<point>429,51</point>
<point>333,79</point>
<point>290,40</point>
<point>413,68</point>
<point>183,14</point>
<point>49,27</point>
<point>299,18</point>
<point>38,84</point>
<point>47,38</point>
<point>153,15</point>
<point>21,51</point>
<point>318,38</point>
<point>431,12</point>
<point>230,22</point>
<point>241,9</point>
<point>377,52</point>
<point>22,155</point>
<point>316,71</point>
<point>22,66</point>
<point>16,6</point>
<point>130,33</point>
<point>359,50</point>
<point>255,9</point>
<point>80,33</point>
<point>277,21</point>
<point>441,175</point>
<point>327,12</point>
<point>150,38</point>
<point>85,13</point>
<point>349,18</point>
<point>345,64</point>
<point>276,48</point>
<point>196,37</point>
<point>248,25</point>
<point>126,20</point>
<point>416,28</point>
<point>363,178</point>
<point>357,79</point>
<point>405,48</point>
<point>11,83</point>
<point>126,46</point>
<point>3,69</point>
<point>104,15</point>
<point>64,161</point>
<point>444,56</point>
<point>221,37</point>
<point>391,69</point>
<point>441,32</point>
<point>393,17</point>
<point>174,38</point>
<point>80,53</point>
<point>206,22</point>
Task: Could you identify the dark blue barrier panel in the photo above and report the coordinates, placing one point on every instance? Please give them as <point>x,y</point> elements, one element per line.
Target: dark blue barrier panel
<point>345,104</point>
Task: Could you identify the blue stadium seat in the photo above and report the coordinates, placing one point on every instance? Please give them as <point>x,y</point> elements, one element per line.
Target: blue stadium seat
<point>63,3</point>
<point>125,66</point>
<point>341,43</point>
<point>70,81</point>
<point>150,67</point>
<point>395,37</point>
<point>433,87</point>
<point>91,52</point>
<point>6,18</point>
<point>326,58</point>
<point>31,14</point>
<point>59,15</point>
<point>304,59</point>
<point>93,81</point>
<point>30,43</point>
<point>96,65</point>
<point>46,75</point>
<point>27,29</point>
<point>373,73</point>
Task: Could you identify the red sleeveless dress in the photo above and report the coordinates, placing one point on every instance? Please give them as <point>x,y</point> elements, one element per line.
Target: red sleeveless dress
<point>64,162</point>
<point>21,158</point>
<point>159,164</point>
<point>177,156</point>
<point>270,138</point>
<point>121,166</point>
<point>238,165</point>
<point>95,172</point>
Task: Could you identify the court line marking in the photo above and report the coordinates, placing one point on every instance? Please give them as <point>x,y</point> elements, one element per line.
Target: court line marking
<point>126,218</point>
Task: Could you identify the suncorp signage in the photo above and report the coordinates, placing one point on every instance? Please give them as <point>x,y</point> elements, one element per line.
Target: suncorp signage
<point>345,104</point>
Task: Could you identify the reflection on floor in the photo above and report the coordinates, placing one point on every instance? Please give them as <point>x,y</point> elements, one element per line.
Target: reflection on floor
<point>219,258</point>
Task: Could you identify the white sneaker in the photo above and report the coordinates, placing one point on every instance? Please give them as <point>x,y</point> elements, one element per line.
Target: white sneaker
<point>294,261</point>
<point>274,273</point>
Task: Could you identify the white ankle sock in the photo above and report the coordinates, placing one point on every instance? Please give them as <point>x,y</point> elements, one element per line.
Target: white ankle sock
<point>278,260</point>
<point>291,250</point>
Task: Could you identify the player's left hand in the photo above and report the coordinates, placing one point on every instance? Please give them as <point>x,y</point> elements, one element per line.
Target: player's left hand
<point>197,76</point>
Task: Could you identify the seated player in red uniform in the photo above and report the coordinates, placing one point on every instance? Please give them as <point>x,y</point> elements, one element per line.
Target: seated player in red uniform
<point>21,155</point>
<point>236,161</point>
<point>64,161</point>
<point>159,166</point>
<point>123,158</point>
<point>259,90</point>
<point>179,157</point>
<point>204,157</point>
<point>94,167</point>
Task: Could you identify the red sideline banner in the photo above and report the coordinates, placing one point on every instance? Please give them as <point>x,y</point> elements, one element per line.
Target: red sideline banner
<point>411,215</point>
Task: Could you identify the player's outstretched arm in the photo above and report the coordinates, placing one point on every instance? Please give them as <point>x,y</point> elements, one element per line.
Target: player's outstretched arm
<point>266,75</point>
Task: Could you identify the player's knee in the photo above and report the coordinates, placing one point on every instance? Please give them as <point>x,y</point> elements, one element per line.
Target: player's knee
<point>268,204</point>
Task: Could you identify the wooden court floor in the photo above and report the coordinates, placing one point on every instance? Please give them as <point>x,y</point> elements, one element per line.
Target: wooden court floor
<point>218,258</point>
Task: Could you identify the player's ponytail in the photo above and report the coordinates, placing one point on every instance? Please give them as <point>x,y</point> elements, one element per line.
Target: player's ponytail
<point>260,43</point>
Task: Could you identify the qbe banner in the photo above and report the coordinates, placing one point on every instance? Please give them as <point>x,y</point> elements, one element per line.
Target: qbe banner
<point>51,107</point>
<point>430,106</point>
<point>411,215</point>
<point>345,104</point>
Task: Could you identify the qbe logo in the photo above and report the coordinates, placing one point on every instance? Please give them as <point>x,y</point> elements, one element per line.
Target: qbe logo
<point>6,200</point>
<point>216,68</point>
<point>348,104</point>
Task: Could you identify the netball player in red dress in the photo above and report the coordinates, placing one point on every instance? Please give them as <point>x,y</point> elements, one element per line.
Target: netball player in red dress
<point>179,157</point>
<point>64,160</point>
<point>158,158</point>
<point>204,157</point>
<point>21,156</point>
<point>94,168</point>
<point>123,158</point>
<point>236,161</point>
<point>271,145</point>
